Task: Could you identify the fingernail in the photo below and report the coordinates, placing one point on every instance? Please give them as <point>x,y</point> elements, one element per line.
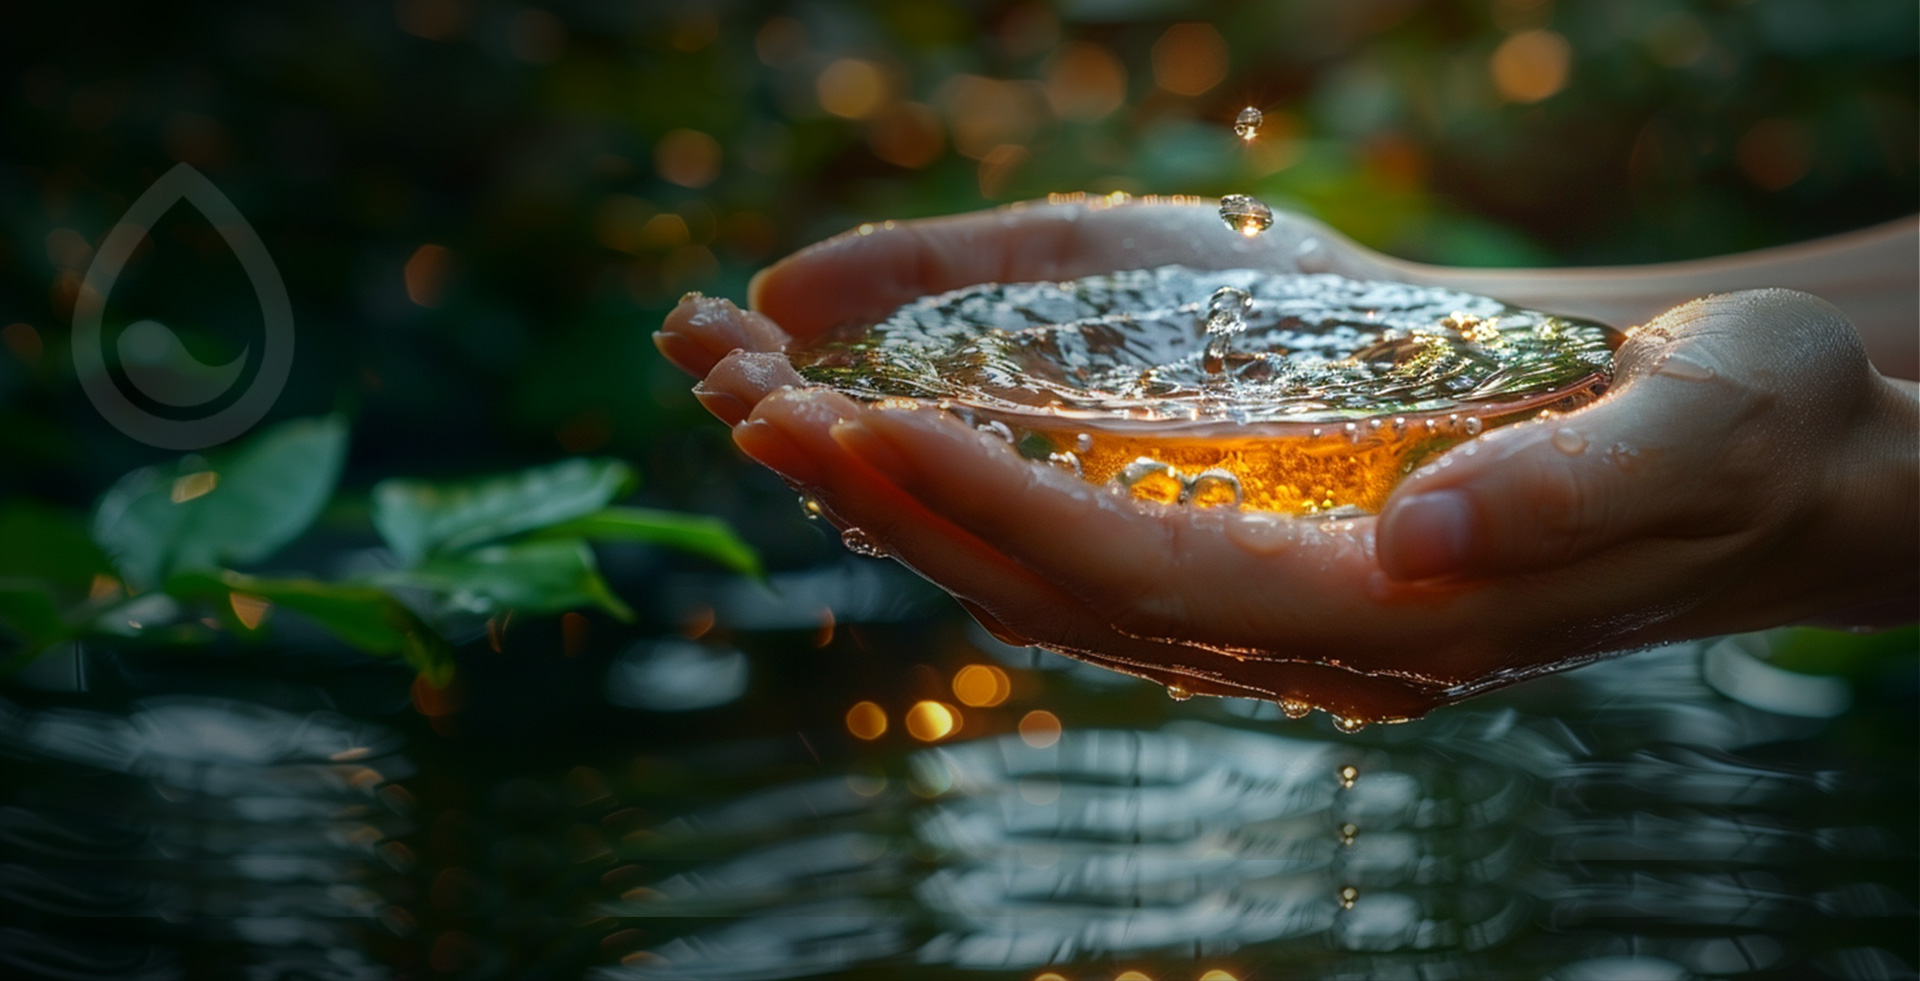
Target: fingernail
<point>874,450</point>
<point>775,449</point>
<point>725,406</point>
<point>1427,535</point>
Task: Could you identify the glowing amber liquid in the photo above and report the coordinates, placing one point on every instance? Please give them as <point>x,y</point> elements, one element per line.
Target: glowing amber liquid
<point>1294,469</point>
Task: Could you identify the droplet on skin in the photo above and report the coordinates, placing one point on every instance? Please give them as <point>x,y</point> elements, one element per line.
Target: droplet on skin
<point>1083,443</point>
<point>1294,708</point>
<point>1352,431</point>
<point>1178,693</point>
<point>1472,425</point>
<point>1675,366</point>
<point>997,428</point>
<point>1262,533</point>
<point>1569,442</point>
<point>1213,488</point>
<point>1148,479</point>
<point>812,508</point>
<point>1623,456</point>
<point>859,542</point>
<point>1247,125</point>
<point>1347,725</point>
<point>1246,215</point>
<point>1066,460</point>
<point>1348,895</point>
<point>1348,773</point>
<point>1348,832</point>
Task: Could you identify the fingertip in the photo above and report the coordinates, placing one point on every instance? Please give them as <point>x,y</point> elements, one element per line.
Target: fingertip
<point>1428,535</point>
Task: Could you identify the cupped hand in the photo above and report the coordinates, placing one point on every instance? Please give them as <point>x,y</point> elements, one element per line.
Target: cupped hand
<point>1715,487</point>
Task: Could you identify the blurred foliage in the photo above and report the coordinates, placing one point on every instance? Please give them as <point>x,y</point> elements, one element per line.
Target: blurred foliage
<point>482,208</point>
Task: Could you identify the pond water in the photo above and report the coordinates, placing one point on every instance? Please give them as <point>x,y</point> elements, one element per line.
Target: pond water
<point>692,805</point>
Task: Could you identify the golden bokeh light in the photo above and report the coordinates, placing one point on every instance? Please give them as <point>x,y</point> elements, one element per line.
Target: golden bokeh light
<point>1531,65</point>
<point>1218,975</point>
<point>999,166</point>
<point>1190,58</point>
<point>248,609</point>
<point>851,88</point>
<point>982,685</point>
<point>1049,976</point>
<point>687,157</point>
<point>907,134</point>
<point>930,721</point>
<point>1133,976</point>
<point>1039,728</point>
<point>986,113</point>
<point>1085,82</point>
<point>426,274</point>
<point>867,720</point>
<point>200,483</point>
<point>1774,154</point>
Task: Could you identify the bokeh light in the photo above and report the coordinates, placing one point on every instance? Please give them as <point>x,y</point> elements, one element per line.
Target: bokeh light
<point>1531,65</point>
<point>930,721</point>
<point>867,720</point>
<point>982,685</point>
<point>1039,728</point>
<point>851,88</point>
<point>1190,59</point>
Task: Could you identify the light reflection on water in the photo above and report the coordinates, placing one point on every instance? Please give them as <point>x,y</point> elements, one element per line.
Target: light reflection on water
<point>1608,824</point>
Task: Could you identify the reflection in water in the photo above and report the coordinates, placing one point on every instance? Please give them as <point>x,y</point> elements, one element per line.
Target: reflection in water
<point>1652,838</point>
<point>265,828</point>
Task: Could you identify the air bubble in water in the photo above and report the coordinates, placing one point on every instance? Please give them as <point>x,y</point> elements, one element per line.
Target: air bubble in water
<point>1569,442</point>
<point>859,542</point>
<point>1213,488</point>
<point>1178,694</point>
<point>1150,480</point>
<point>1294,708</point>
<point>1348,773</point>
<point>1245,214</point>
<point>1347,725</point>
<point>1247,125</point>
<point>812,508</point>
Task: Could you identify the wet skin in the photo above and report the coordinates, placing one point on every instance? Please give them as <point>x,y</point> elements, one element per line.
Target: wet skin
<point>1749,468</point>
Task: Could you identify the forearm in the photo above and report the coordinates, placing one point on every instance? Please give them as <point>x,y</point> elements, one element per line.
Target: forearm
<point>1872,275</point>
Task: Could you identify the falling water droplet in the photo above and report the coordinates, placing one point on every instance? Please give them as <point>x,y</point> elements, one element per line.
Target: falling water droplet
<point>1347,896</point>
<point>1178,693</point>
<point>1226,317</point>
<point>1294,708</point>
<point>1348,773</point>
<point>811,508</point>
<point>1213,488</point>
<point>1247,125</point>
<point>1569,442</point>
<point>859,542</point>
<point>1347,725</point>
<point>1472,425</point>
<point>1246,215</point>
<point>1348,832</point>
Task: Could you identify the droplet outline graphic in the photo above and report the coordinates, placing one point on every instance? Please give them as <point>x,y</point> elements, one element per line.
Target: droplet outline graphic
<point>183,183</point>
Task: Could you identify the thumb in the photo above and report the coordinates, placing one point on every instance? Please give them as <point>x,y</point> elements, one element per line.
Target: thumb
<point>1685,443</point>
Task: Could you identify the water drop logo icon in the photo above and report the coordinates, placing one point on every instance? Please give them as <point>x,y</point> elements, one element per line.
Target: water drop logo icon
<point>152,357</point>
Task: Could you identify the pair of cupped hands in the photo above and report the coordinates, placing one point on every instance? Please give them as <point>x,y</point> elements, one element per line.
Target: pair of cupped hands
<point>1732,478</point>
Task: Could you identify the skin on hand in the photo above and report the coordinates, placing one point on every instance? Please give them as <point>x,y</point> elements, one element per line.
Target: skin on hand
<point>1731,478</point>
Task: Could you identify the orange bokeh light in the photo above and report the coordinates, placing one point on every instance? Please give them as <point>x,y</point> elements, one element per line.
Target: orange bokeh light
<point>930,721</point>
<point>1040,728</point>
<point>867,720</point>
<point>982,685</point>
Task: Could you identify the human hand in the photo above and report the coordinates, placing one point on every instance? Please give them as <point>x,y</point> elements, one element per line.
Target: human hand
<point>1699,495</point>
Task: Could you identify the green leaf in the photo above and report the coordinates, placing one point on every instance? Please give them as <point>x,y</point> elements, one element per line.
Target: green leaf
<point>541,576</point>
<point>365,617</point>
<point>231,509</point>
<point>697,533</point>
<point>420,519</point>
<point>43,543</point>
<point>28,610</point>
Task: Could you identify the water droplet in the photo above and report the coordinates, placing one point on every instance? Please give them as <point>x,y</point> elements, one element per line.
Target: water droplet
<point>1684,369</point>
<point>1373,425</point>
<point>1352,431</point>
<point>1623,456</point>
<point>1213,488</point>
<point>811,508</point>
<point>1348,832</point>
<point>1247,125</point>
<point>1148,479</point>
<point>1082,443</point>
<point>1347,725</point>
<point>1569,442</point>
<point>1472,425</point>
<point>1178,693</point>
<point>1294,708</point>
<point>997,428</point>
<point>1246,215</point>
<point>859,542</point>
<point>1348,773</point>
<point>1066,460</point>
<point>1347,896</point>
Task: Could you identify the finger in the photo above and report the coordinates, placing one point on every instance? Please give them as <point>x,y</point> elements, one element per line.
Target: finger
<point>792,432</point>
<point>1678,448</point>
<point>701,330</point>
<point>861,276</point>
<point>741,380</point>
